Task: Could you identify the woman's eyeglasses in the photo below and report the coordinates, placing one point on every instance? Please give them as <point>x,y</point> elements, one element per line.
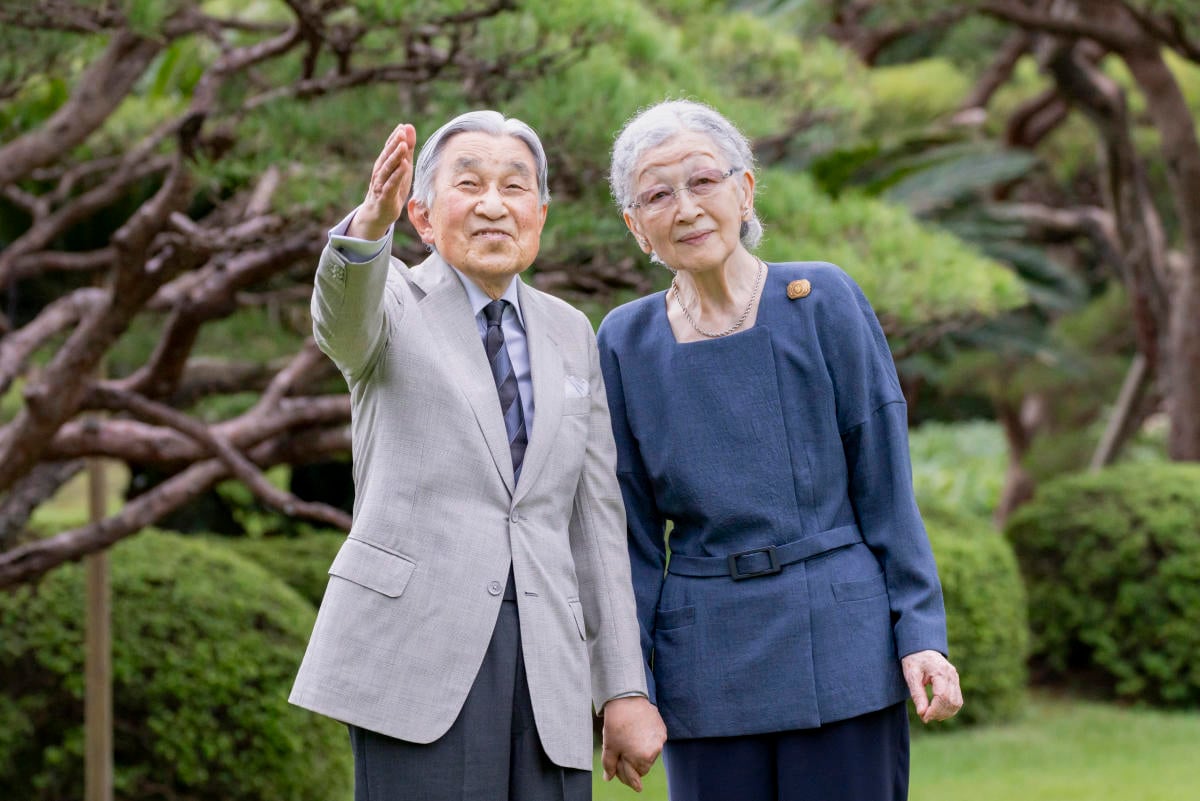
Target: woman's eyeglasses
<point>661,197</point>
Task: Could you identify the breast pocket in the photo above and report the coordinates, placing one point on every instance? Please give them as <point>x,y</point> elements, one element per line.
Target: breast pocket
<point>366,565</point>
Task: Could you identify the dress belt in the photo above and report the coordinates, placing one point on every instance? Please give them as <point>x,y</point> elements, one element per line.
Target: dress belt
<point>767,560</point>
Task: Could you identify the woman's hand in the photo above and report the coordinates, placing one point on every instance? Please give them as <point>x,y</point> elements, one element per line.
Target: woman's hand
<point>391,178</point>
<point>926,668</point>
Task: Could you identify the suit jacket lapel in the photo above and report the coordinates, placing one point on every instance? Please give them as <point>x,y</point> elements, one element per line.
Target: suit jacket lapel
<point>447,312</point>
<point>545,362</point>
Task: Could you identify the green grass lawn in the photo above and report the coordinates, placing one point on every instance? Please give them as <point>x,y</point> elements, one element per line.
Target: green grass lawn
<point>1060,751</point>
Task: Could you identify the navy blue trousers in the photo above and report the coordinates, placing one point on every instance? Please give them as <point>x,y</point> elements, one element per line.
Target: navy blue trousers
<point>860,759</point>
<point>491,753</point>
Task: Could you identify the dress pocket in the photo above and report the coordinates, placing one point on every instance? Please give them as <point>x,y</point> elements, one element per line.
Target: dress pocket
<point>861,590</point>
<point>372,567</point>
<point>667,619</point>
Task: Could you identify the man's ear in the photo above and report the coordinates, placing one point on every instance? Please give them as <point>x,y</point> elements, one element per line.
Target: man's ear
<point>642,241</point>
<point>418,214</point>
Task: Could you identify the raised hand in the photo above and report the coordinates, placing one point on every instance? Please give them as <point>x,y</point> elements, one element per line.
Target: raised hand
<point>926,668</point>
<point>391,178</point>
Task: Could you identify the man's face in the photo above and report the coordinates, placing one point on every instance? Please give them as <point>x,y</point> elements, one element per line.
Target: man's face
<point>486,218</point>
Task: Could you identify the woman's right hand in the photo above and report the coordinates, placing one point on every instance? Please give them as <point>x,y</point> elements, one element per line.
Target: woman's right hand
<point>391,179</point>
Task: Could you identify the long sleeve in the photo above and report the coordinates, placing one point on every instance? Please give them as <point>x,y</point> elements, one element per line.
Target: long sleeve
<point>348,309</point>
<point>597,523</point>
<point>646,540</point>
<point>873,422</point>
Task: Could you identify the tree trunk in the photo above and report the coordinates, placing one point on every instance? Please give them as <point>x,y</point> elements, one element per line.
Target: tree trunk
<point>1020,423</point>
<point>1181,154</point>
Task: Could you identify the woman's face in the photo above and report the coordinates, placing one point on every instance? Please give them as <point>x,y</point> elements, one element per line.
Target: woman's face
<point>691,231</point>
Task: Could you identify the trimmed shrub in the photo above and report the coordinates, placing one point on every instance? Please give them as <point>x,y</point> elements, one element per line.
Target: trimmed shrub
<point>985,615</point>
<point>302,562</point>
<point>205,646</point>
<point>1112,561</point>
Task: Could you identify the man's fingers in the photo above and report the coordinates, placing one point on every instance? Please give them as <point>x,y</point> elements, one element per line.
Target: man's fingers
<point>396,133</point>
<point>608,758</point>
<point>395,172</point>
<point>399,148</point>
<point>629,775</point>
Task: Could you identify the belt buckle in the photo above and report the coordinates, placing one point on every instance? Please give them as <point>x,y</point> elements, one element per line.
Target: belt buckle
<point>738,575</point>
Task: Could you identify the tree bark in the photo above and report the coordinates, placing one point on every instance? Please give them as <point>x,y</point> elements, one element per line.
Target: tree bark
<point>1181,154</point>
<point>103,88</point>
<point>1129,197</point>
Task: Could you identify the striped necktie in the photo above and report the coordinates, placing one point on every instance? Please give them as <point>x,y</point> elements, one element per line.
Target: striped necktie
<point>506,384</point>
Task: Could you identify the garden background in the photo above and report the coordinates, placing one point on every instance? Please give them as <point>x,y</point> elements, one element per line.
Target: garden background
<point>1014,184</point>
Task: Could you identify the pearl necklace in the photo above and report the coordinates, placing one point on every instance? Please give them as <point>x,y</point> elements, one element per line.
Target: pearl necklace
<point>758,277</point>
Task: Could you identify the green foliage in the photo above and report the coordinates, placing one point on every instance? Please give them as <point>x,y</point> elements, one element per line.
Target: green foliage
<point>941,183</point>
<point>912,273</point>
<point>913,96</point>
<point>205,646</point>
<point>985,614</point>
<point>1112,562</point>
<point>302,562</point>
<point>959,466</point>
<point>250,335</point>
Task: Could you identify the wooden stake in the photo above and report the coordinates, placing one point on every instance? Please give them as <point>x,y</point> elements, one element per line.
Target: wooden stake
<point>97,713</point>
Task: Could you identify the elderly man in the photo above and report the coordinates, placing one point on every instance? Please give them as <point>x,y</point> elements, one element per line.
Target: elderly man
<point>482,601</point>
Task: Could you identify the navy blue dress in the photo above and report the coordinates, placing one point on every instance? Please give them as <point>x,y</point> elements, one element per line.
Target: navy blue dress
<point>785,443</point>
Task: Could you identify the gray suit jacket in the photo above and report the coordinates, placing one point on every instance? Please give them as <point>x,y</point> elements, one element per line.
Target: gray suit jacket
<point>416,588</point>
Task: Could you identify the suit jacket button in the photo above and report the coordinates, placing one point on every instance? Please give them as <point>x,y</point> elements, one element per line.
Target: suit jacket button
<point>515,517</point>
<point>494,587</point>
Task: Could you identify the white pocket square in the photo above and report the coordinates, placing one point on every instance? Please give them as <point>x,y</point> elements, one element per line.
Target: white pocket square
<point>575,387</point>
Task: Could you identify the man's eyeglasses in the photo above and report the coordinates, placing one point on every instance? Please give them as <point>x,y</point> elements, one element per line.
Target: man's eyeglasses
<point>661,197</point>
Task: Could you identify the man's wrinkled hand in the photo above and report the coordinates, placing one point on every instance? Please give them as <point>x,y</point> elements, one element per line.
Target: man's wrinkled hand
<point>391,179</point>
<point>634,734</point>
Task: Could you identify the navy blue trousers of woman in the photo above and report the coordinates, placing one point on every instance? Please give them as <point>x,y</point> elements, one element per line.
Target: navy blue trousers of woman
<point>860,759</point>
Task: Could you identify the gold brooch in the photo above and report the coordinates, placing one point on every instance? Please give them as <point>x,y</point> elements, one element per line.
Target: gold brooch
<point>799,289</point>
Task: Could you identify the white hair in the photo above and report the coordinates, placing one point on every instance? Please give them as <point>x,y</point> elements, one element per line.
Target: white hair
<point>653,126</point>
<point>484,121</point>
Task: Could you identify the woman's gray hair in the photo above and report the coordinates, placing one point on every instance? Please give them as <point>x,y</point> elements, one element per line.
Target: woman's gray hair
<point>655,125</point>
<point>485,121</point>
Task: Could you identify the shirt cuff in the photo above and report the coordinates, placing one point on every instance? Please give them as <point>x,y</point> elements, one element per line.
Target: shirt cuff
<point>357,251</point>
<point>632,694</point>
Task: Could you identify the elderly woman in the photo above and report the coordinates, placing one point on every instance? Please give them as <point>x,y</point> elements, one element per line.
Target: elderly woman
<point>756,408</point>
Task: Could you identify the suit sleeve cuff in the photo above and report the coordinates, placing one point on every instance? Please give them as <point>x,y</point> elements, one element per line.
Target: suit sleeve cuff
<point>632,694</point>
<point>357,251</point>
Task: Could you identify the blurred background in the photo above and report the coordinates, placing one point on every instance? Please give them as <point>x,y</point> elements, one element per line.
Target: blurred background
<point>1014,183</point>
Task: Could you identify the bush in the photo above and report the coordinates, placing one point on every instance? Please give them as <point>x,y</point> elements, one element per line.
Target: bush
<point>1112,561</point>
<point>959,466</point>
<point>302,562</point>
<point>985,615</point>
<point>205,646</point>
